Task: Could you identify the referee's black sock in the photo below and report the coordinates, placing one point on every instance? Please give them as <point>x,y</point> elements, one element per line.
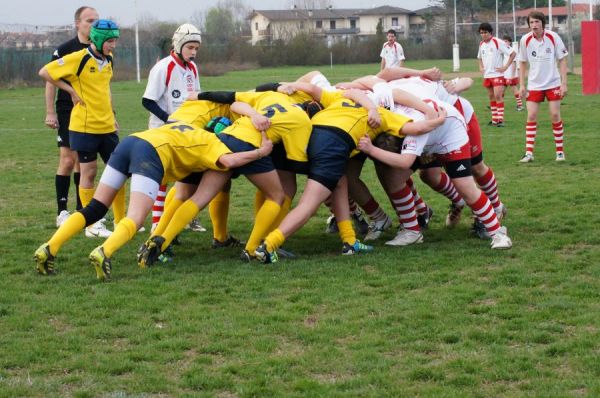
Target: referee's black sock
<point>62,184</point>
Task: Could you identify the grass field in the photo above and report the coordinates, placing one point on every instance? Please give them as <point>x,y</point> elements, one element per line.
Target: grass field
<point>448,318</point>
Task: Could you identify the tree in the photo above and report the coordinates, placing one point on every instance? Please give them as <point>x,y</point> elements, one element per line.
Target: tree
<point>220,26</point>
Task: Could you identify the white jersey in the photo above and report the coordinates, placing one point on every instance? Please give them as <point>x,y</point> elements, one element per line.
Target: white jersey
<point>392,54</point>
<point>450,136</point>
<point>428,89</point>
<point>542,56</point>
<point>169,83</point>
<point>492,53</point>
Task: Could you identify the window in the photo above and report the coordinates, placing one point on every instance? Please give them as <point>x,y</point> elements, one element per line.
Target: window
<point>319,24</point>
<point>353,23</point>
<point>332,24</point>
<point>394,21</point>
<point>255,25</point>
<point>301,24</point>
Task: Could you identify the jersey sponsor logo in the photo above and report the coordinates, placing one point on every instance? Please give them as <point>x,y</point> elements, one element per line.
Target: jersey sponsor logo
<point>409,144</point>
<point>548,50</point>
<point>93,69</point>
<point>461,167</point>
<point>533,54</point>
<point>176,93</point>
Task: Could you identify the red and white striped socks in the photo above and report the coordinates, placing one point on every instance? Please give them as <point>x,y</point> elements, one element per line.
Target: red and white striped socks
<point>499,112</point>
<point>519,100</point>
<point>373,210</point>
<point>419,202</point>
<point>446,188</point>
<point>530,133</point>
<point>159,205</point>
<point>493,107</point>
<point>557,129</point>
<point>488,185</point>
<point>404,205</point>
<point>483,210</point>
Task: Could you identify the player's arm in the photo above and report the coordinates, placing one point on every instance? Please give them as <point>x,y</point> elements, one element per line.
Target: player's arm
<point>563,69</point>
<point>358,96</point>
<point>260,122</point>
<point>511,58</point>
<point>50,94</point>
<point>308,88</point>
<point>237,159</point>
<point>398,160</point>
<point>424,126</point>
<point>522,75</point>
<point>458,85</point>
<point>398,72</point>
<point>221,97</point>
<point>63,85</point>
<point>405,98</point>
<point>153,107</point>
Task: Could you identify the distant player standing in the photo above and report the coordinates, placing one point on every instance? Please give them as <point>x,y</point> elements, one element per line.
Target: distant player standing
<point>511,77</point>
<point>173,80</point>
<point>541,49</point>
<point>58,118</point>
<point>491,54</point>
<point>392,53</point>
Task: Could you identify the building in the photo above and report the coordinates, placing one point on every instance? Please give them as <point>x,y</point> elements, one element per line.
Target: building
<point>580,12</point>
<point>337,24</point>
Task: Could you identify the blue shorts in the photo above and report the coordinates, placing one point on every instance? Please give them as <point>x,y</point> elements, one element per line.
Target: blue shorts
<point>88,146</point>
<point>281,161</point>
<point>328,153</point>
<point>263,165</point>
<point>137,156</point>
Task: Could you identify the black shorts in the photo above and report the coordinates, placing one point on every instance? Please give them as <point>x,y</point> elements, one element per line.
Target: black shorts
<point>328,154</point>
<point>137,156</point>
<point>62,137</point>
<point>88,146</point>
<point>281,161</point>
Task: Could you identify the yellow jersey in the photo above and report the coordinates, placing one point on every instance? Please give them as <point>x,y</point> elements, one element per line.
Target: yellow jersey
<point>90,79</point>
<point>345,114</point>
<point>289,123</point>
<point>198,113</point>
<point>184,149</point>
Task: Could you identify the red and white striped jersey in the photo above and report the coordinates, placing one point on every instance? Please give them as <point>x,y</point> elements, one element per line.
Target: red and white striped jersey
<point>169,83</point>
<point>492,53</point>
<point>542,55</point>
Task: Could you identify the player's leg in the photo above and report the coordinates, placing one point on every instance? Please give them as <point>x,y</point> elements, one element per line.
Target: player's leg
<point>530,129</point>
<point>557,129</point>
<point>62,181</point>
<point>499,99</point>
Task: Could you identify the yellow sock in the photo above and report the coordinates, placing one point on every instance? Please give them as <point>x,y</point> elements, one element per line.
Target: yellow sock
<point>86,195</point>
<point>167,215</point>
<point>259,199</point>
<point>262,225</point>
<point>123,233</point>
<point>118,205</point>
<point>74,224</point>
<point>347,232</point>
<point>274,240</point>
<point>170,195</point>
<point>182,217</point>
<point>219,212</point>
<point>285,209</point>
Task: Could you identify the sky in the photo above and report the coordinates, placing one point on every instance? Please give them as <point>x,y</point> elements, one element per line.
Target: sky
<point>60,12</point>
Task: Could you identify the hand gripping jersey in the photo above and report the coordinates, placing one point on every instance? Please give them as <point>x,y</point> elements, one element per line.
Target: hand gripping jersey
<point>542,55</point>
<point>344,114</point>
<point>492,54</point>
<point>184,149</point>
<point>289,123</point>
<point>90,78</point>
<point>169,84</point>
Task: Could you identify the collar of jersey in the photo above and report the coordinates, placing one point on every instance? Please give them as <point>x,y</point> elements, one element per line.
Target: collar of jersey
<point>178,61</point>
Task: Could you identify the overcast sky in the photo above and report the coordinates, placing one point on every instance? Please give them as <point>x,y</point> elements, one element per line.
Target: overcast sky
<point>60,12</point>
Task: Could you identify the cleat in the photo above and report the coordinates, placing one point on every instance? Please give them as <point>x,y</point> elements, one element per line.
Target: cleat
<point>357,247</point>
<point>377,227</point>
<point>97,230</point>
<point>101,263</point>
<point>454,213</point>
<point>264,256</point>
<point>142,229</point>
<point>560,156</point>
<point>231,241</point>
<point>424,219</point>
<point>500,240</point>
<point>285,253</point>
<point>150,251</point>
<point>332,227</point>
<point>246,257</point>
<point>492,123</point>
<point>479,230</point>
<point>361,225</point>
<point>166,256</point>
<point>528,158</point>
<point>61,218</point>
<point>406,237</point>
<point>44,260</point>
<point>501,212</point>
<point>500,124</point>
<point>176,241</point>
<point>519,109</point>
<point>195,226</point>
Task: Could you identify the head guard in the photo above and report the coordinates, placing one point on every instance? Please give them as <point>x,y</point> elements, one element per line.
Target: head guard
<point>101,31</point>
<point>184,34</point>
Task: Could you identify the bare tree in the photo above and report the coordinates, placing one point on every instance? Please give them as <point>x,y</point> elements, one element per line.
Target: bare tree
<point>310,4</point>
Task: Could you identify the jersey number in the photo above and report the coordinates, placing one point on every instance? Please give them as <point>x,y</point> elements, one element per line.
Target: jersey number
<point>181,127</point>
<point>272,109</point>
<point>351,105</point>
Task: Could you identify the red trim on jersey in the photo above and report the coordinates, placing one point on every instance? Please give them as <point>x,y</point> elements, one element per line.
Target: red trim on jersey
<point>193,69</point>
<point>528,39</point>
<point>169,72</point>
<point>549,36</point>
<point>495,42</point>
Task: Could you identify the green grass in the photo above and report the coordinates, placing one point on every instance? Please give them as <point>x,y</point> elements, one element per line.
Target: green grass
<point>448,318</point>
